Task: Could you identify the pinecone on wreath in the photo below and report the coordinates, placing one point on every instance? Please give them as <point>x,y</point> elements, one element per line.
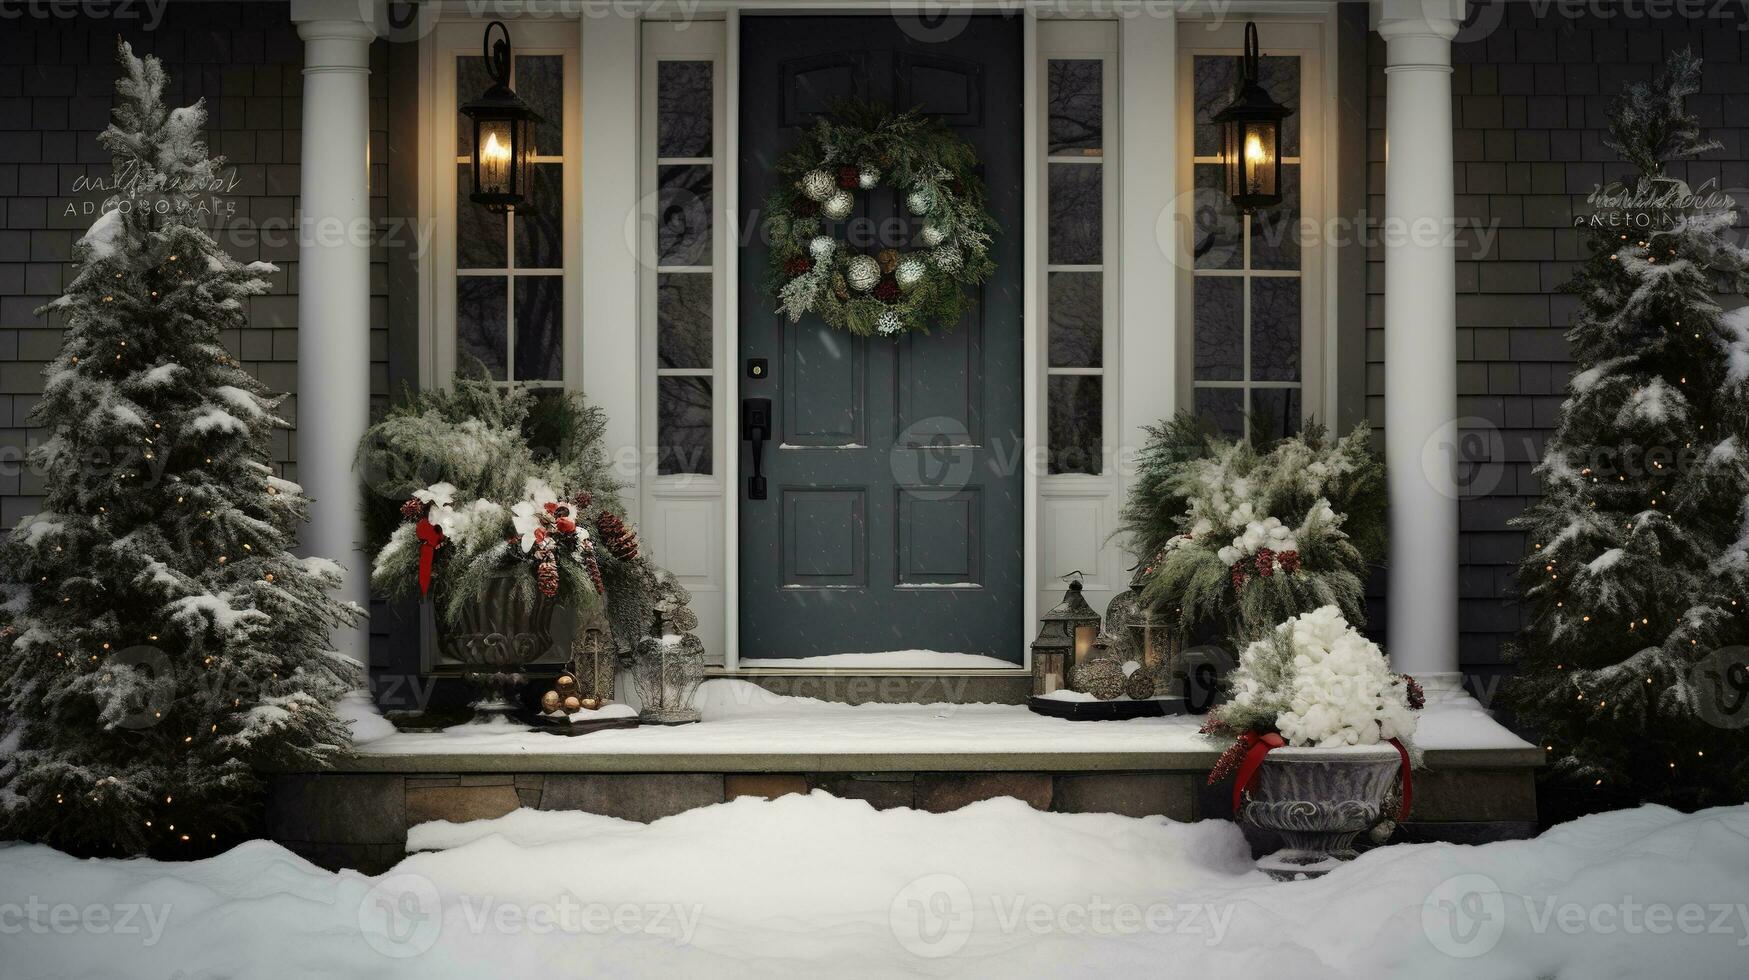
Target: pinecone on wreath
<point>798,266</point>
<point>621,541</point>
<point>592,566</point>
<point>887,290</point>
<point>546,575</point>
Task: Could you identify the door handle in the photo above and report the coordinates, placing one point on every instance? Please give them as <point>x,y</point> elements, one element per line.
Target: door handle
<point>756,428</point>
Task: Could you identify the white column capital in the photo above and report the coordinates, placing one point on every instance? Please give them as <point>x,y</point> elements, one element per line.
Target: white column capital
<point>336,33</point>
<point>1434,20</point>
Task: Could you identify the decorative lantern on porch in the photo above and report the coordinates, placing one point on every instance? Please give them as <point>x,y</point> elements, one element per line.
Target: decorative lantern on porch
<point>1066,639</point>
<point>503,132</point>
<point>1147,632</point>
<point>1251,136</point>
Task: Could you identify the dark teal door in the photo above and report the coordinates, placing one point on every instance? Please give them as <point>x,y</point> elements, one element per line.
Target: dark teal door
<point>892,516</point>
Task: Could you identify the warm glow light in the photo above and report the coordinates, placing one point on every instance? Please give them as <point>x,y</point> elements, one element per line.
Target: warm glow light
<point>1254,152</point>
<point>495,152</point>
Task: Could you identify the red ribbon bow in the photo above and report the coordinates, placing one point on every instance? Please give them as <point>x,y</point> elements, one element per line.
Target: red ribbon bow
<point>430,536</point>
<point>1257,746</point>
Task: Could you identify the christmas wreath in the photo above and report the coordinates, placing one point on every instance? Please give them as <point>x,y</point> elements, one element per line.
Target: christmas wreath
<point>859,146</point>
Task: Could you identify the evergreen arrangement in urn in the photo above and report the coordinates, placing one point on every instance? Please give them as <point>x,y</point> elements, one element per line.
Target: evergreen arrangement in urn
<point>1632,664</point>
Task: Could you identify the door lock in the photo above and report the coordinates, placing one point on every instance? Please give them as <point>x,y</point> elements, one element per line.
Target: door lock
<point>756,428</point>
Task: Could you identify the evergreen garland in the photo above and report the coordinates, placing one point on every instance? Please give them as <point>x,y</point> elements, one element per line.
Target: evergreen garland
<point>856,147</point>
<point>1637,579</point>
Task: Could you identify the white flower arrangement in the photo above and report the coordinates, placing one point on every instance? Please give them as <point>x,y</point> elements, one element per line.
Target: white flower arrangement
<point>1317,681</point>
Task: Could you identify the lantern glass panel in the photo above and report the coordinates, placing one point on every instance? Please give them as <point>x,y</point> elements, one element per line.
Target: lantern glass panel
<point>1086,635</point>
<point>494,156</point>
<point>1259,143</point>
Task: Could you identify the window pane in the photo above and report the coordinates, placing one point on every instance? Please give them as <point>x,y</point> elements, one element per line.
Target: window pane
<point>471,82</point>
<point>1076,423</point>
<point>683,319</point>
<point>479,234</point>
<point>1077,213</point>
<point>540,307</point>
<point>1275,231</point>
<point>1076,107</point>
<point>1215,74</point>
<point>1275,329</point>
<point>683,425</point>
<point>683,109</point>
<point>683,218</point>
<point>1275,412</point>
<point>1077,334</point>
<point>1223,409</point>
<point>1215,240</point>
<point>540,81</point>
<point>1219,315</point>
<point>1281,79</point>
<point>540,229</point>
<point>480,311</point>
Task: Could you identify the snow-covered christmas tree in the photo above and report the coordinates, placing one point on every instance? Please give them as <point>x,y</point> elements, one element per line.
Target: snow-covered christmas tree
<point>163,642</point>
<point>1638,572</point>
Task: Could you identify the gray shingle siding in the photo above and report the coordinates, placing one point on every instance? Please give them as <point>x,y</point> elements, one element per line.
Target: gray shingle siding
<point>57,83</point>
<point>1528,105</point>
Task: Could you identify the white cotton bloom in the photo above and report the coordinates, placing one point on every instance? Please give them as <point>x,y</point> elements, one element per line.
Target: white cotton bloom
<point>1229,555</point>
<point>525,516</point>
<point>1338,687</point>
<point>437,493</point>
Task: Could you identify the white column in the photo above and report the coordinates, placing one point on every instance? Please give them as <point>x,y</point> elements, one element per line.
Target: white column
<point>1421,338</point>
<point>333,403</point>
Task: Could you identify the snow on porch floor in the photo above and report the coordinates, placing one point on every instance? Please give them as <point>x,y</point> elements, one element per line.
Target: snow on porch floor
<point>817,886</point>
<point>741,718</point>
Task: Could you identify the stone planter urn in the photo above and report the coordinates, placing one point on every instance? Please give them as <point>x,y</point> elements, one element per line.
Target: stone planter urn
<point>1318,800</point>
<point>495,637</point>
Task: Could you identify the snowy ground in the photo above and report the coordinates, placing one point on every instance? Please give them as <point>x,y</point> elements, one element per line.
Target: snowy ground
<point>745,718</point>
<point>816,886</point>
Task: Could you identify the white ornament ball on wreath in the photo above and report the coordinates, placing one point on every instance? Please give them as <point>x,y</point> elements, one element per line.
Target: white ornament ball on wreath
<point>947,258</point>
<point>838,206</point>
<point>910,272</point>
<point>920,200</point>
<point>863,273</point>
<point>818,185</point>
<point>889,323</point>
<point>932,235</point>
<point>821,248</point>
<point>868,178</point>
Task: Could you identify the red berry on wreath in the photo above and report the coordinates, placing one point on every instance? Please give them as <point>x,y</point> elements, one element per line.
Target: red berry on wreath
<point>847,177</point>
<point>887,290</point>
<point>798,265</point>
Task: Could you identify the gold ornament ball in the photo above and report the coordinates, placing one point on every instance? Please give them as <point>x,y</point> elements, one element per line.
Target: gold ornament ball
<point>566,683</point>
<point>549,702</point>
<point>590,704</point>
<point>573,703</point>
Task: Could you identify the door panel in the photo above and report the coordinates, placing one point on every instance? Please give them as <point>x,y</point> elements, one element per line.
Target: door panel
<point>892,519</point>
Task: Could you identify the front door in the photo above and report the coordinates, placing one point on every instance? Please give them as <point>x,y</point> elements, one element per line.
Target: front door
<point>892,516</point>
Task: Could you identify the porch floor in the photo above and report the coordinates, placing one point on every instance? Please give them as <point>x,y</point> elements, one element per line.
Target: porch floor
<point>749,729</point>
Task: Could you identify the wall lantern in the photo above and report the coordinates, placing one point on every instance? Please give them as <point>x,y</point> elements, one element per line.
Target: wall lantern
<point>1066,638</point>
<point>1251,136</point>
<point>503,132</point>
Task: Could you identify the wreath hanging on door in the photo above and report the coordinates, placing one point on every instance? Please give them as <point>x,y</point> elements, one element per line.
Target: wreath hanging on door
<point>858,147</point>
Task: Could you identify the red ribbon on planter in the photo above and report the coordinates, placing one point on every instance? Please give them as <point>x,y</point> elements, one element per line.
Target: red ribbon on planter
<point>1258,746</point>
<point>430,536</point>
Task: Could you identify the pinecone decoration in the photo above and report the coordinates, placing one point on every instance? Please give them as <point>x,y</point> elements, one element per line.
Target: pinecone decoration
<point>1140,685</point>
<point>621,541</point>
<point>412,510</point>
<point>1228,763</point>
<point>1290,561</point>
<point>582,501</point>
<point>1265,560</point>
<point>592,566</point>
<point>546,574</point>
<point>1417,696</point>
<point>1103,679</point>
<point>1238,573</point>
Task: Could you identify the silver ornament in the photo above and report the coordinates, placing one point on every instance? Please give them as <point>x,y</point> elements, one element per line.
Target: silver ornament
<point>868,178</point>
<point>932,235</point>
<point>821,248</point>
<point>863,273</point>
<point>837,207</point>
<point>910,272</point>
<point>947,258</point>
<point>889,323</point>
<point>817,185</point>
<point>920,200</point>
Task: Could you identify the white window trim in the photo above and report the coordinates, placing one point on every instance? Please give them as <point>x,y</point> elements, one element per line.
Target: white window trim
<point>437,116</point>
<point>1312,39</point>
